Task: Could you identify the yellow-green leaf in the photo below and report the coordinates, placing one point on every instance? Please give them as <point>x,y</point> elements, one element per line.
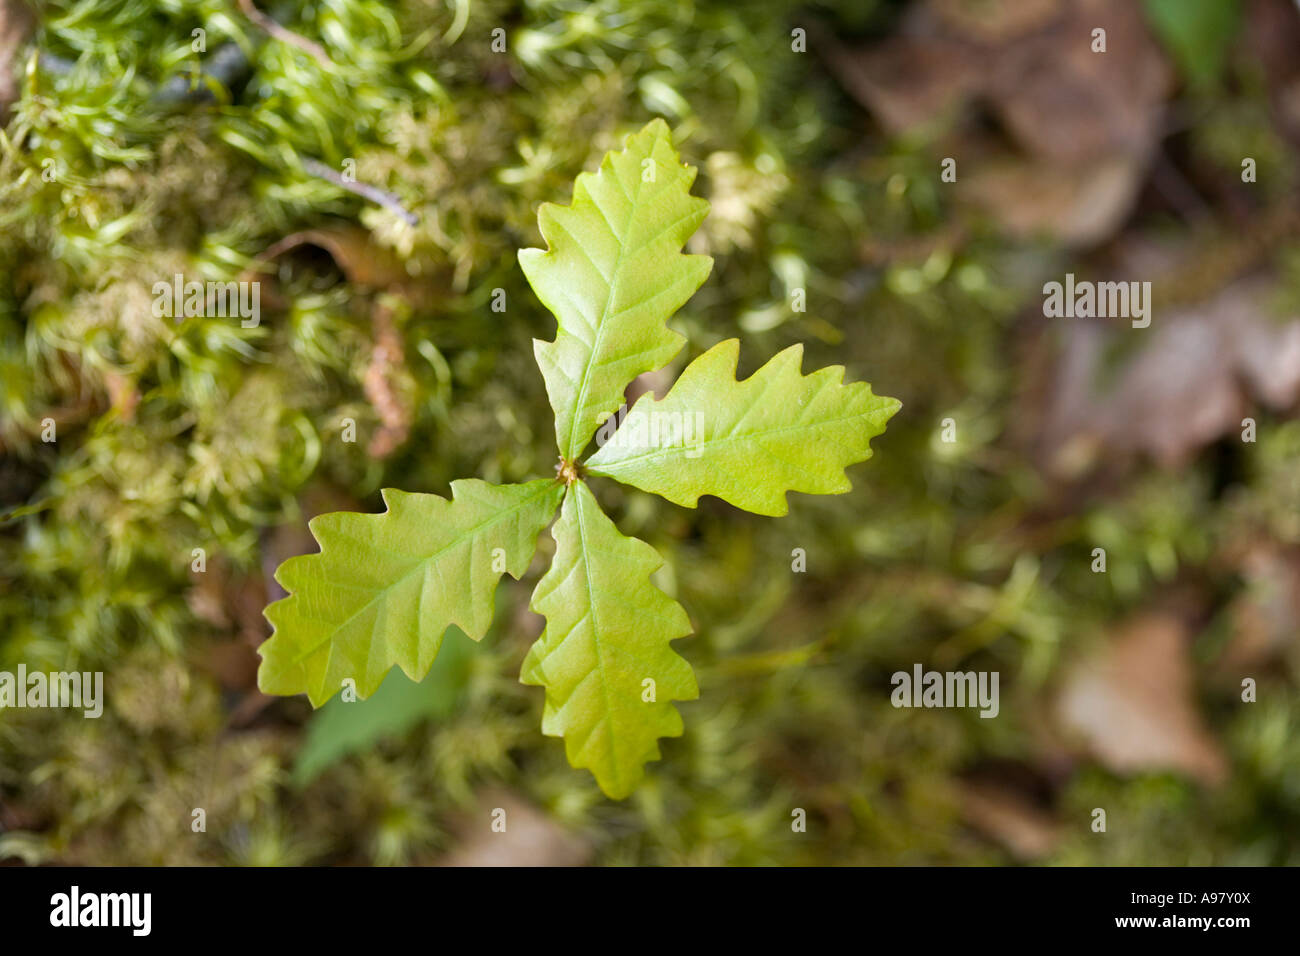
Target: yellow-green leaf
<point>746,442</point>
<point>613,274</point>
<point>605,657</point>
<point>385,587</point>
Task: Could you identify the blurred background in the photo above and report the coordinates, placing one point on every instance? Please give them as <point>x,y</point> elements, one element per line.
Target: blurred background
<point>820,132</point>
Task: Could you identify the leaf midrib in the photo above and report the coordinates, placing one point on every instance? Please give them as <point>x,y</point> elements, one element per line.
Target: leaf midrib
<point>574,425</point>
<point>595,635</point>
<point>602,467</point>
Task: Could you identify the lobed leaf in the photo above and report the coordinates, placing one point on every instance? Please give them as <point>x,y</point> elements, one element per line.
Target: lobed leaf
<point>607,632</point>
<point>612,275</point>
<point>746,442</point>
<point>385,587</point>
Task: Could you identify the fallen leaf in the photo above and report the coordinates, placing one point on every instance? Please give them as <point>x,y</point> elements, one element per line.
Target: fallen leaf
<point>1076,128</point>
<point>16,24</point>
<point>530,837</point>
<point>1009,817</point>
<point>1272,36</point>
<point>1265,617</point>
<point>1080,206</point>
<point>1064,103</point>
<point>907,83</point>
<point>1191,382</point>
<point>1132,704</point>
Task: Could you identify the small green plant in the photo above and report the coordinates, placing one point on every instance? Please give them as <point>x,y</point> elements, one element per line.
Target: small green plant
<point>384,588</point>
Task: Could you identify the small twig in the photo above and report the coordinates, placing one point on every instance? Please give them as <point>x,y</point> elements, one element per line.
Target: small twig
<point>373,193</point>
<point>386,367</point>
<point>283,34</point>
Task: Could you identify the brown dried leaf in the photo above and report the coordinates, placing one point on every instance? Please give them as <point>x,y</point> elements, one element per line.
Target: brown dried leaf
<point>995,21</point>
<point>1009,817</point>
<point>16,24</point>
<point>907,83</point>
<point>233,664</point>
<point>530,837</point>
<point>1272,36</point>
<point>1265,618</point>
<point>1132,704</point>
<point>1065,103</point>
<point>1080,206</point>
<point>350,247</point>
<point>1189,385</point>
<point>1079,127</point>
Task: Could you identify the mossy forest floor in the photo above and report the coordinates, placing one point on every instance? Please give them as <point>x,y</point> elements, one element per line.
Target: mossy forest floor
<point>820,131</point>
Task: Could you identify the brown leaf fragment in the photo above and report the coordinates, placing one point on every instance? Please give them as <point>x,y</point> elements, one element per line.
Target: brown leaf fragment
<point>387,386</point>
<point>360,260</point>
<point>907,84</point>
<point>1265,617</point>
<point>16,24</point>
<point>1191,381</point>
<point>1079,206</point>
<point>1010,818</point>
<point>1132,705</point>
<point>1073,130</point>
<point>525,836</point>
<point>1064,103</point>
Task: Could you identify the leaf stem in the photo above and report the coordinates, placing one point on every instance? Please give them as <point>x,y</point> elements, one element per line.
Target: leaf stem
<point>567,471</point>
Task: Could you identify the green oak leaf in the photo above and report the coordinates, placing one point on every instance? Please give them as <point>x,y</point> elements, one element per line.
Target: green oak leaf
<point>612,275</point>
<point>385,587</point>
<point>607,631</point>
<point>746,442</point>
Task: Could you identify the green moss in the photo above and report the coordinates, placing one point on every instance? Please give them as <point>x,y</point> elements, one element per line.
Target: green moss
<point>175,435</point>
